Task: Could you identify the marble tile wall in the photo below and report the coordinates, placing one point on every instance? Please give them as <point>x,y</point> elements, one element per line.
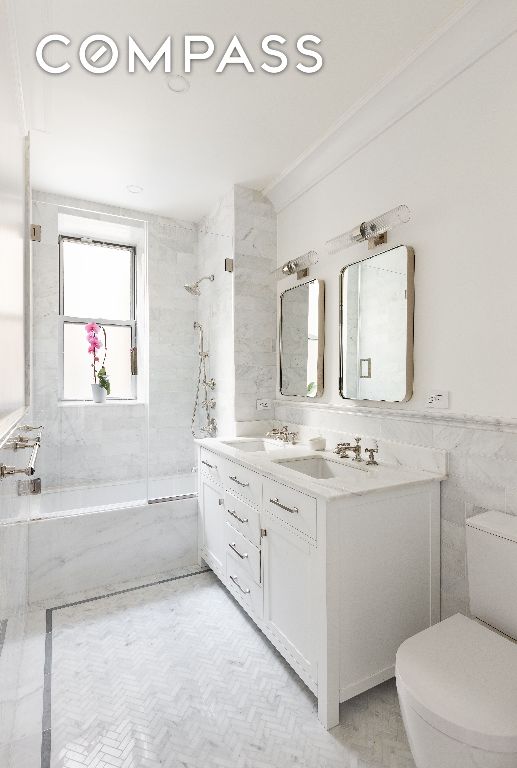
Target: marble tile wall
<point>173,356</point>
<point>255,317</point>
<point>482,468</point>
<point>239,308</point>
<point>85,444</point>
<point>216,307</point>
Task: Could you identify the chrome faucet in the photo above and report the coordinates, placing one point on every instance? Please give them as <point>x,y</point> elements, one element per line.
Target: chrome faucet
<point>283,435</point>
<point>342,450</point>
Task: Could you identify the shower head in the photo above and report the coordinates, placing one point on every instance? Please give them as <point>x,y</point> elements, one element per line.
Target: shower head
<point>193,288</point>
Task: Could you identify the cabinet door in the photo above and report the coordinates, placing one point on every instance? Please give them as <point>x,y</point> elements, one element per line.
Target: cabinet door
<point>213,539</point>
<point>287,583</point>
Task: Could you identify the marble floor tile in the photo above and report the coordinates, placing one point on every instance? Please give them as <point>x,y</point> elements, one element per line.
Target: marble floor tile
<point>174,675</point>
<point>21,678</point>
<point>177,675</point>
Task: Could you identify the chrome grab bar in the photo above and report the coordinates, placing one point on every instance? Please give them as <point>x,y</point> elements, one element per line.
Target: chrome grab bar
<point>242,557</point>
<point>240,519</point>
<point>292,510</point>
<point>234,478</point>
<point>236,582</point>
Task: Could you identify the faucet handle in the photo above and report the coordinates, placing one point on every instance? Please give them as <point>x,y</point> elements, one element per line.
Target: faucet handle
<point>371,460</point>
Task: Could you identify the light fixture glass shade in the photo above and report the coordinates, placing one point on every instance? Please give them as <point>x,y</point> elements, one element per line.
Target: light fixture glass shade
<point>372,228</point>
<point>385,222</point>
<point>296,265</point>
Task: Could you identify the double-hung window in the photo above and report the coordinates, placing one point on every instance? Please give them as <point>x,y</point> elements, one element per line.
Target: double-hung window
<point>97,282</point>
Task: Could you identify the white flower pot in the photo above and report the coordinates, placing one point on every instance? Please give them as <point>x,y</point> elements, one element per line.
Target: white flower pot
<point>98,393</point>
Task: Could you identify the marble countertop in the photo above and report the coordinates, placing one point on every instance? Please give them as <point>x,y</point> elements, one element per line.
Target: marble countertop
<point>355,478</point>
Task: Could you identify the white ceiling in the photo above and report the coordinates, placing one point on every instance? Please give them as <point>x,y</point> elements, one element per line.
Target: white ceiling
<point>94,135</point>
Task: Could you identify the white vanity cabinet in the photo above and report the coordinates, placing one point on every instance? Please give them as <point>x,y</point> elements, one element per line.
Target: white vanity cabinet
<point>289,577</point>
<point>336,580</point>
<point>211,532</point>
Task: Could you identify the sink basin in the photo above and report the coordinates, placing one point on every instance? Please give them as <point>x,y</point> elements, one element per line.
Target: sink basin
<point>252,445</point>
<point>322,468</point>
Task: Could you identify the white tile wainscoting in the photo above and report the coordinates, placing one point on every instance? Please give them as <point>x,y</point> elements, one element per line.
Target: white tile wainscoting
<point>482,466</point>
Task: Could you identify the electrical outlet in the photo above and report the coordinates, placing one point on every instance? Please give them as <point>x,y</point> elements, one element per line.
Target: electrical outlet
<point>438,399</point>
<point>263,405</point>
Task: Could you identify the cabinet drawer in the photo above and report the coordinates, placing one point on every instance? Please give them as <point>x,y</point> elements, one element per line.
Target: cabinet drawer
<point>292,506</point>
<point>243,483</point>
<point>246,554</point>
<point>211,465</point>
<point>243,518</point>
<point>247,592</point>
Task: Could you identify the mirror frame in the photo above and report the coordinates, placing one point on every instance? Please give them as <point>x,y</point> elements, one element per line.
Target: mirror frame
<point>321,339</point>
<point>410,309</point>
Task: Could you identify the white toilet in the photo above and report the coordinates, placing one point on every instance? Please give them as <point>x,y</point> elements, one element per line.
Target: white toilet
<point>457,680</point>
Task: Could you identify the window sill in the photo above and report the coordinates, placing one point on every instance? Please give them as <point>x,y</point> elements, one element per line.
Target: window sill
<point>90,403</point>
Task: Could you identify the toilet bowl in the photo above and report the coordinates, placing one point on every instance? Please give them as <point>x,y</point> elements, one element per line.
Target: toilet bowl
<point>457,680</point>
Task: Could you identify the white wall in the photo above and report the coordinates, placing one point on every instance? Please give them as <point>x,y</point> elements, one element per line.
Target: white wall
<point>453,160</point>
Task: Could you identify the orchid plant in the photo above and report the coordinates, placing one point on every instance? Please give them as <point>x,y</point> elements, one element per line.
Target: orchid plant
<point>100,376</point>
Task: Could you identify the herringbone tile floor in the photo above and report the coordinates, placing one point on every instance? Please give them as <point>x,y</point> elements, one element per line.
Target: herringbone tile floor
<point>175,675</point>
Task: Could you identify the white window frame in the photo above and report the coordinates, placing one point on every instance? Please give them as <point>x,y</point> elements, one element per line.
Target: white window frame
<point>131,323</point>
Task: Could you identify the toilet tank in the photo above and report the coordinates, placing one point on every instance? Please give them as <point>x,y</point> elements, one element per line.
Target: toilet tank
<point>492,570</point>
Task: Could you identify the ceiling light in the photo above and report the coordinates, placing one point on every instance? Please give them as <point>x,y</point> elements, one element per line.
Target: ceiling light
<point>373,230</point>
<point>178,84</point>
<point>134,189</point>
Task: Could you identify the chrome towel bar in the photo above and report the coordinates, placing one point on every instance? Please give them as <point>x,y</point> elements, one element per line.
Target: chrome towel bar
<point>17,443</point>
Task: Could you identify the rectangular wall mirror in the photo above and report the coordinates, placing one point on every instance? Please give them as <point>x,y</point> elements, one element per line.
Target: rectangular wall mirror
<point>376,327</point>
<point>302,329</point>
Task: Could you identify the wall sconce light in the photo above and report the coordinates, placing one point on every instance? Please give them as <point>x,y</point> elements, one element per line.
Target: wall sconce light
<point>374,230</point>
<point>300,266</point>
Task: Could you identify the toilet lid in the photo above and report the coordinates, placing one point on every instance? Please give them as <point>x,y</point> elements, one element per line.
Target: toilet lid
<point>461,678</point>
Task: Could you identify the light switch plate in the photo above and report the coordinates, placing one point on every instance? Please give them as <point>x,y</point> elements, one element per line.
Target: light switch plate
<point>438,399</point>
<point>263,405</point>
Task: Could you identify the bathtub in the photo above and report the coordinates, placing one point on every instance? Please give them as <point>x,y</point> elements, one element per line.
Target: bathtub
<point>66,501</point>
<point>78,543</point>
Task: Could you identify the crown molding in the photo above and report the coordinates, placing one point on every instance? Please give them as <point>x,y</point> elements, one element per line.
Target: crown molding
<point>467,36</point>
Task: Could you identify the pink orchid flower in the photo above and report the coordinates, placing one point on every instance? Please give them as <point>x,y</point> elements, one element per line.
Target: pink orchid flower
<point>92,328</point>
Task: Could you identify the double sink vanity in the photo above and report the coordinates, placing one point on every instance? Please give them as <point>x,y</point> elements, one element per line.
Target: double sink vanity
<point>335,560</point>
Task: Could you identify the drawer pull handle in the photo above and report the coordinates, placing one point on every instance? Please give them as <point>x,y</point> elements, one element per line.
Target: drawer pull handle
<point>293,510</point>
<point>240,519</point>
<point>236,582</point>
<point>234,479</point>
<point>242,557</point>
<point>210,466</point>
